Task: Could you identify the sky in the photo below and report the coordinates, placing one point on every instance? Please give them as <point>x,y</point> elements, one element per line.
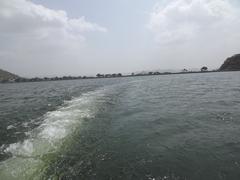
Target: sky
<point>86,37</point>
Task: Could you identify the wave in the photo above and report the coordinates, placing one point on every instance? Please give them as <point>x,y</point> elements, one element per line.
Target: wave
<point>30,157</point>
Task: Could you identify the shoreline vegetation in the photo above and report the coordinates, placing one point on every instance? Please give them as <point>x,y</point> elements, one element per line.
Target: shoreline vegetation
<point>230,64</point>
<point>104,76</point>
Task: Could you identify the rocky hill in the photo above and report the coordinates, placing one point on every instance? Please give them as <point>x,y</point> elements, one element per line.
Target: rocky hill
<point>231,64</point>
<point>7,76</point>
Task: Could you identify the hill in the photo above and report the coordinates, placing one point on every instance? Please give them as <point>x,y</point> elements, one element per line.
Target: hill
<point>231,64</point>
<point>7,76</point>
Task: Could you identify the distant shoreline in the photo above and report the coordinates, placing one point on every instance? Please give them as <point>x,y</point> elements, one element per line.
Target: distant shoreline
<point>107,76</point>
<point>230,64</point>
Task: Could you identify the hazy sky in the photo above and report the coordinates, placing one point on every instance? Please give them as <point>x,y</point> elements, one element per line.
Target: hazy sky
<point>85,37</point>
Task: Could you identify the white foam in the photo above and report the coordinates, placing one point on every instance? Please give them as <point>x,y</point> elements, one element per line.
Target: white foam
<point>10,127</point>
<point>21,149</point>
<point>48,137</point>
<point>55,127</point>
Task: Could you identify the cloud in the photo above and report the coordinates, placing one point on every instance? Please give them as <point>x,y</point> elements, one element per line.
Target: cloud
<point>22,16</point>
<point>33,36</point>
<point>194,33</point>
<point>180,21</point>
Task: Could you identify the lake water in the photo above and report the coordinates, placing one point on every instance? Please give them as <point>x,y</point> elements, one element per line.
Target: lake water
<point>177,127</point>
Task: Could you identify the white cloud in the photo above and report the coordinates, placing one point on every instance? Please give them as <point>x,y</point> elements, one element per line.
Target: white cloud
<point>193,33</point>
<point>185,20</point>
<point>22,16</point>
<point>35,39</point>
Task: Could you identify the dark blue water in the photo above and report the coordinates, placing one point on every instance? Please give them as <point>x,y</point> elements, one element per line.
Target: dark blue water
<point>177,127</point>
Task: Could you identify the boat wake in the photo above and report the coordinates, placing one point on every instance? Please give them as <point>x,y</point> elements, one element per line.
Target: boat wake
<point>30,157</point>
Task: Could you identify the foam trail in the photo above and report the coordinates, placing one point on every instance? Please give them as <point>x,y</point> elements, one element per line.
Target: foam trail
<point>30,157</point>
